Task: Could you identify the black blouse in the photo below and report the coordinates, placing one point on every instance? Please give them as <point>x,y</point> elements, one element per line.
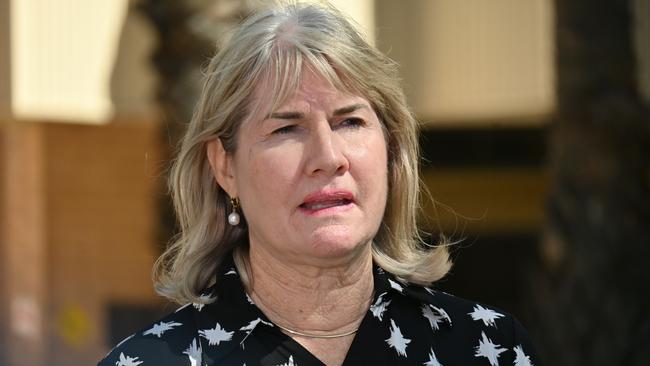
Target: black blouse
<point>406,325</point>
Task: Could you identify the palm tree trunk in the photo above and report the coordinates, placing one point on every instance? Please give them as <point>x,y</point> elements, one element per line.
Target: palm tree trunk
<point>593,291</point>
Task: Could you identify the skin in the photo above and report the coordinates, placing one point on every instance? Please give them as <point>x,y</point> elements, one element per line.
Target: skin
<point>311,268</point>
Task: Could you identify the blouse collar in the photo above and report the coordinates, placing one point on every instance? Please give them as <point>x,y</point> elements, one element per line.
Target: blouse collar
<point>233,316</point>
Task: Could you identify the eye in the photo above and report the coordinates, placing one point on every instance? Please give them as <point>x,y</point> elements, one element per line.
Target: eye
<point>284,130</point>
<point>352,122</point>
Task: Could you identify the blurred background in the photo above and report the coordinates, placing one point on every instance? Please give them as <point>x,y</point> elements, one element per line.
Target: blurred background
<point>535,148</point>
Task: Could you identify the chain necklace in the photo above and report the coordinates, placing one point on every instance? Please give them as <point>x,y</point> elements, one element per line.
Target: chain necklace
<point>311,335</point>
<point>321,336</point>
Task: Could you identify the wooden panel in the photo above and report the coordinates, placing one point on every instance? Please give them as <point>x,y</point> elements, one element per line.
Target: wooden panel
<point>79,210</point>
<point>4,308</point>
<point>104,183</point>
<point>24,259</point>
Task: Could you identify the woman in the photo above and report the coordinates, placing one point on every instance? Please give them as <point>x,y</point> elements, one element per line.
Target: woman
<point>296,188</point>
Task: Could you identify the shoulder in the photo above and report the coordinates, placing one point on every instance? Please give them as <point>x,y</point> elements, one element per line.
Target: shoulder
<point>466,311</point>
<point>487,330</point>
<point>170,341</point>
<point>469,314</point>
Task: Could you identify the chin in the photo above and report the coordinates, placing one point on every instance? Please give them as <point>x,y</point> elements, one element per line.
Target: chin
<point>337,246</point>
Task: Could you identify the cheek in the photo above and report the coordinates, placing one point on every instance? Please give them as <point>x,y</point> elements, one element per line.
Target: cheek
<point>371,161</point>
<point>373,154</point>
<point>266,176</point>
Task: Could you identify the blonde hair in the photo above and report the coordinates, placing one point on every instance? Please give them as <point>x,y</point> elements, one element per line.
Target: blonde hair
<point>271,48</point>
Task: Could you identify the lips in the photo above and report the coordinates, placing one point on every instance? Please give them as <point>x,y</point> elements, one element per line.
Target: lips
<point>323,200</point>
<point>325,204</point>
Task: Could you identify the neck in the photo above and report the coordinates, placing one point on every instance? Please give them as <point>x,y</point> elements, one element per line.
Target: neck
<point>311,298</point>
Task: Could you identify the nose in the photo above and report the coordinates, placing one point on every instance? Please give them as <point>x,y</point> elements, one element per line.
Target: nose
<point>325,152</point>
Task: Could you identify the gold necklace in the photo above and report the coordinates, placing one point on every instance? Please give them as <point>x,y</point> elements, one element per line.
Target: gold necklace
<point>311,335</point>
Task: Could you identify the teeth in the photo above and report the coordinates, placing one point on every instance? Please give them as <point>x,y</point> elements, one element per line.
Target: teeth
<point>322,205</point>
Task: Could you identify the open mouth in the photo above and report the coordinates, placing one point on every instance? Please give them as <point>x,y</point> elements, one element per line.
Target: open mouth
<point>321,205</point>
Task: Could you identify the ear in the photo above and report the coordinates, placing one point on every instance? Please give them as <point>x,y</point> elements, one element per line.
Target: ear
<point>222,166</point>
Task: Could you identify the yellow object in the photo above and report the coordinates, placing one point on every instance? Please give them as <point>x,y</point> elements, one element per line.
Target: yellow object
<point>74,325</point>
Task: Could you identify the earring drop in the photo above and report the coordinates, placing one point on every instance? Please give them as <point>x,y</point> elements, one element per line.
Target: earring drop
<point>233,218</point>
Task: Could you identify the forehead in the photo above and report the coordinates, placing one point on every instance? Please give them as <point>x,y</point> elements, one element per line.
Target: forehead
<point>309,86</point>
<point>314,88</point>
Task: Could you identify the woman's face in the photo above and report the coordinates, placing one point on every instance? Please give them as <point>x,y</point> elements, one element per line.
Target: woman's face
<point>312,175</point>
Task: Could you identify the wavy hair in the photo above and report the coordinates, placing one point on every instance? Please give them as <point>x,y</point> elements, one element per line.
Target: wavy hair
<point>271,48</point>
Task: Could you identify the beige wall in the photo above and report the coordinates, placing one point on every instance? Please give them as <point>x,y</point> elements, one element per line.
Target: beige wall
<point>62,55</point>
<point>471,62</point>
<point>74,61</point>
<point>5,64</point>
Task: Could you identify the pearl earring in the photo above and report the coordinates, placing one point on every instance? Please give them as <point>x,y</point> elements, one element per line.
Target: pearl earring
<point>233,218</point>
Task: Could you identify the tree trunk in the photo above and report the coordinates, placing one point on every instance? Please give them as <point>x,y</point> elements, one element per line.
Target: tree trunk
<point>592,294</point>
<point>188,31</point>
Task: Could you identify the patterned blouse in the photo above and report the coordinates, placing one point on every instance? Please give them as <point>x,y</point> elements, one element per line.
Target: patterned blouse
<point>406,325</point>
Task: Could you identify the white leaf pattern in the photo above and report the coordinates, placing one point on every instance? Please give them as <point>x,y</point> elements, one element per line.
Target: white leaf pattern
<point>521,359</point>
<point>433,361</point>
<point>289,363</point>
<point>194,353</point>
<point>412,341</point>
<point>160,328</point>
<point>442,313</point>
<point>199,305</point>
<point>397,340</point>
<point>434,319</point>
<point>249,328</point>
<point>216,335</point>
<point>379,307</point>
<point>395,285</point>
<point>488,316</point>
<point>488,350</point>
<point>128,361</point>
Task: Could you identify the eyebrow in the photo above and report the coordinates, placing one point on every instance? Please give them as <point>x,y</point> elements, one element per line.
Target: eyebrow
<point>286,115</point>
<point>349,109</point>
<point>300,115</point>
